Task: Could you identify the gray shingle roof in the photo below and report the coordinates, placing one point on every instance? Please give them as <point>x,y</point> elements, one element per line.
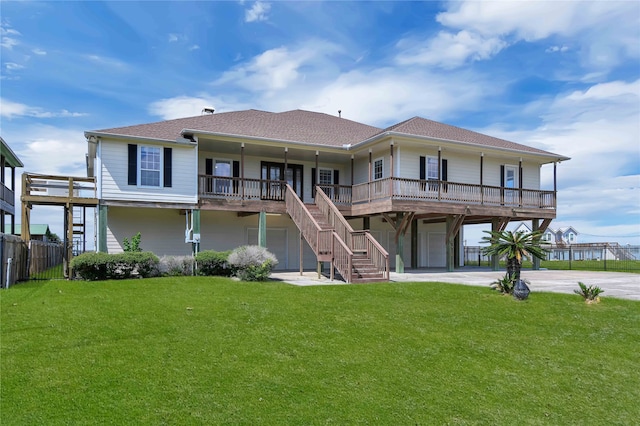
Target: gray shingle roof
<point>309,128</point>
<point>418,126</point>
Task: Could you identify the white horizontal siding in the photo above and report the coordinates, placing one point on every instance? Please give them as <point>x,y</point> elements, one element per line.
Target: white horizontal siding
<point>114,171</point>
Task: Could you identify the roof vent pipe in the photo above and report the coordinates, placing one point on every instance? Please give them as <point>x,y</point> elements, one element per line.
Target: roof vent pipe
<point>339,113</point>
<point>207,111</point>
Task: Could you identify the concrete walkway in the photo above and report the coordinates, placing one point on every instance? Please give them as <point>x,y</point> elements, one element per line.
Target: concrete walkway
<point>615,284</point>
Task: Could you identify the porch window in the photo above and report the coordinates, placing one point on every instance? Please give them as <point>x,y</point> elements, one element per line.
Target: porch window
<point>223,169</point>
<point>150,160</point>
<point>432,168</point>
<point>377,169</point>
<point>326,177</point>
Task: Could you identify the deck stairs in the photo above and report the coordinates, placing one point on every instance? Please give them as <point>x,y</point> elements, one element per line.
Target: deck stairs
<point>356,255</point>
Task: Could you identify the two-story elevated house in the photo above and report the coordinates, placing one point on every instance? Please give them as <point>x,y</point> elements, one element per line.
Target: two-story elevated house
<point>316,187</point>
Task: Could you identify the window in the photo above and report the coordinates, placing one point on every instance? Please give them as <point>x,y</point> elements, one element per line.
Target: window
<point>150,160</point>
<point>149,166</point>
<point>432,168</point>
<point>223,169</point>
<point>326,177</point>
<point>377,169</point>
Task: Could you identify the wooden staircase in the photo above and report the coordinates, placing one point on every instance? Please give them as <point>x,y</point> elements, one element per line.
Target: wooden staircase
<point>356,255</point>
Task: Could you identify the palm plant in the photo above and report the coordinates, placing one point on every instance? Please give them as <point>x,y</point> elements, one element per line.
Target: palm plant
<point>515,246</point>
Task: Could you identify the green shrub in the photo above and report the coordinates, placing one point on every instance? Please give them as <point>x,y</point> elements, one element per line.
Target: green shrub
<point>105,266</point>
<point>214,263</point>
<point>92,266</point>
<point>504,285</point>
<point>175,266</point>
<point>252,263</point>
<point>134,245</point>
<point>590,294</point>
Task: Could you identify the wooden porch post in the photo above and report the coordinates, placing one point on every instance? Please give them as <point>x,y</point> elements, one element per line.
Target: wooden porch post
<point>414,243</point>
<point>399,245</point>
<point>439,172</point>
<point>535,226</point>
<point>453,225</point>
<point>301,252</point>
<point>25,230</point>
<point>317,179</point>
<point>495,260</point>
<point>369,178</point>
<point>482,178</point>
<point>242,170</point>
<point>352,171</point>
<point>391,170</point>
<point>555,184</point>
<point>520,180</point>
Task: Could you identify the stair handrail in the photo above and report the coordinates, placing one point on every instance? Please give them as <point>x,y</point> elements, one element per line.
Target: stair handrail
<point>319,240</point>
<point>378,255</point>
<point>334,217</point>
<point>342,258</point>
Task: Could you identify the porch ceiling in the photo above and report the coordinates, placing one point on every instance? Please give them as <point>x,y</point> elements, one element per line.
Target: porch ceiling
<point>272,151</point>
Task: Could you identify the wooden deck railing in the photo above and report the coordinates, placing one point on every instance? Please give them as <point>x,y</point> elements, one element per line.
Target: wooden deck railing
<point>356,241</point>
<point>320,241</point>
<point>242,189</point>
<point>387,188</point>
<point>434,190</point>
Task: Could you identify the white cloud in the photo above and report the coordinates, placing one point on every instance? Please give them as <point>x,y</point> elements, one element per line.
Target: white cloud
<point>606,31</point>
<point>12,66</point>
<point>39,52</point>
<point>194,47</point>
<point>278,68</point>
<point>449,50</point>
<point>8,36</point>
<point>11,110</point>
<point>258,12</point>
<point>189,106</point>
<point>9,42</point>
<point>173,38</point>
<point>554,49</point>
<point>104,61</point>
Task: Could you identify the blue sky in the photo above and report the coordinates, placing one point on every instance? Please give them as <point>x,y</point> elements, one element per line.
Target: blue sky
<point>560,76</point>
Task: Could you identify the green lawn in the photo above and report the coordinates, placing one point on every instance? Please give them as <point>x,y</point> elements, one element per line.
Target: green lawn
<point>196,350</point>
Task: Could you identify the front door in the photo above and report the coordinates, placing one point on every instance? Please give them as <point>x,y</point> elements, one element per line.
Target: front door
<point>273,174</point>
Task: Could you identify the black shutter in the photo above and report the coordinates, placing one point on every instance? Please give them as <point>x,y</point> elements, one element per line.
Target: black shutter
<point>336,177</point>
<point>167,167</point>
<point>502,176</point>
<point>236,174</point>
<point>133,164</point>
<point>423,168</point>
<point>208,166</point>
<point>313,182</point>
<point>444,170</point>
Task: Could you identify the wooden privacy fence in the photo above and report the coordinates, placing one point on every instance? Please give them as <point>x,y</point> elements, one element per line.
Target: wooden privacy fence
<point>43,259</point>
<point>22,261</point>
<point>14,253</point>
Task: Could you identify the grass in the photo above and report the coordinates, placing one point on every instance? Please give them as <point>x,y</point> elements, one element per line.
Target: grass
<point>196,350</point>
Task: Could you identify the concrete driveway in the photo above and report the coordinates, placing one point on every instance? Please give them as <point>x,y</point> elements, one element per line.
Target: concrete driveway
<point>614,284</point>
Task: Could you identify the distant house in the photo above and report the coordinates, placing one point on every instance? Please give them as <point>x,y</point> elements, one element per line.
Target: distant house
<point>39,232</point>
<point>560,236</point>
<point>8,160</point>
